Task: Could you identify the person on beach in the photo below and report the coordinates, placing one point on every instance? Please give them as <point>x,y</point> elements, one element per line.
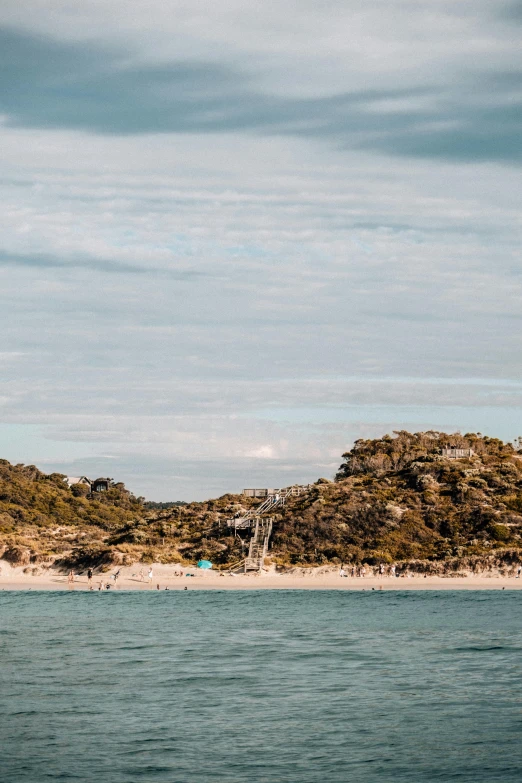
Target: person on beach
<point>342,572</point>
<point>150,575</point>
<point>70,579</point>
<point>392,570</point>
<point>363,571</point>
<point>518,572</point>
<point>353,570</point>
<point>89,578</point>
<point>116,576</point>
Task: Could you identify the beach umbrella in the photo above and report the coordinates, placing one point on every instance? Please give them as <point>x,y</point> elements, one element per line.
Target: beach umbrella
<point>204,564</point>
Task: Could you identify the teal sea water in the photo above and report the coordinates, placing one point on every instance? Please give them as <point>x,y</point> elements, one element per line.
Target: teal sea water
<point>275,686</point>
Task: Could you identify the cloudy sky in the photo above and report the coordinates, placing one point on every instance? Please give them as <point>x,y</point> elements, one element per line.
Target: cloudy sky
<point>236,236</point>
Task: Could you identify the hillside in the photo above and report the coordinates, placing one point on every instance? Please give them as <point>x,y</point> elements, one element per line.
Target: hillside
<point>398,499</point>
<point>43,519</point>
<point>394,500</point>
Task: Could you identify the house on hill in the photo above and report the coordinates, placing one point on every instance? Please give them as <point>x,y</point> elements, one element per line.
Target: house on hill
<point>453,453</point>
<point>101,485</point>
<point>78,480</point>
<point>260,493</point>
<point>96,485</point>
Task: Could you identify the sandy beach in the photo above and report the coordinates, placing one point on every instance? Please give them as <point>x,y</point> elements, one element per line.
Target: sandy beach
<point>312,579</point>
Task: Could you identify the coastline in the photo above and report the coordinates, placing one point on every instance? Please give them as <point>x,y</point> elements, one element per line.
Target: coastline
<point>314,579</point>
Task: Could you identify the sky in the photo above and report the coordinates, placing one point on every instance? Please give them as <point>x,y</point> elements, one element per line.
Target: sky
<point>238,236</point>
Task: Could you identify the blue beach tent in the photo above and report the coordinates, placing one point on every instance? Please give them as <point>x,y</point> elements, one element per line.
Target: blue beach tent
<point>204,564</point>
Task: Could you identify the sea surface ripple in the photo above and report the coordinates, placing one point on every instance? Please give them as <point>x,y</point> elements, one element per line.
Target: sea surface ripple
<point>280,686</point>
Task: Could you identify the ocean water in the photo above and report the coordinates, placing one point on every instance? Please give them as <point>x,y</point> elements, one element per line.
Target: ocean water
<point>275,686</point>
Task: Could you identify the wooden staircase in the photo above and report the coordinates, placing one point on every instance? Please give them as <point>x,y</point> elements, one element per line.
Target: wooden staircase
<point>258,546</point>
<point>261,526</point>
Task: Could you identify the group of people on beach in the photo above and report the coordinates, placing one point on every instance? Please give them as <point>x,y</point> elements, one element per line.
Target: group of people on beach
<point>102,584</point>
<point>105,584</point>
<point>360,571</point>
<point>355,571</point>
<point>150,575</point>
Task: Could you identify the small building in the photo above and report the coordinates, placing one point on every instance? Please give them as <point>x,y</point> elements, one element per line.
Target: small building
<point>260,493</point>
<point>453,453</point>
<point>78,480</point>
<point>101,485</point>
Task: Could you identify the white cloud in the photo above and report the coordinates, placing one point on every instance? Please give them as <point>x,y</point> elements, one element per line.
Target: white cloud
<point>296,47</point>
<point>218,308</point>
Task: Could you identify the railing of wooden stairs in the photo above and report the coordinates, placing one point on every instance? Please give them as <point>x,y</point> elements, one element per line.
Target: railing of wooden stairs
<point>261,525</point>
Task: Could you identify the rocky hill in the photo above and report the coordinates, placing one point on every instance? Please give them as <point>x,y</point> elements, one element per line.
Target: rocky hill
<point>397,499</point>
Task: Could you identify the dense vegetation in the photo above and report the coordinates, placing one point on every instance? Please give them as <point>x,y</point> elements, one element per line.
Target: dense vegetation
<point>42,519</point>
<point>394,499</point>
<point>398,499</point>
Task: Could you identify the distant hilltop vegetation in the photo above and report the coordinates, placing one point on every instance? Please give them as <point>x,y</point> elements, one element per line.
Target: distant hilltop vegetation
<point>430,501</point>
